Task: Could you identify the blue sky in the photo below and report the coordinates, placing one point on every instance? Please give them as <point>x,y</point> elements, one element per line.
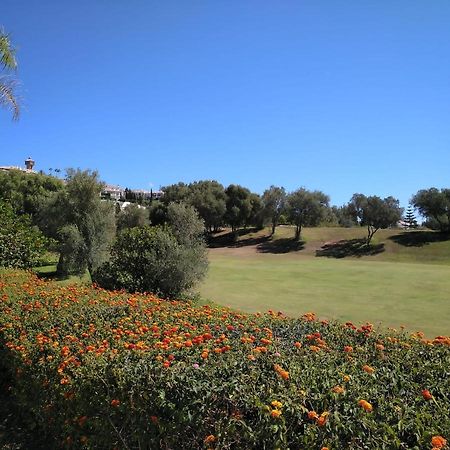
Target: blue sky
<point>341,96</point>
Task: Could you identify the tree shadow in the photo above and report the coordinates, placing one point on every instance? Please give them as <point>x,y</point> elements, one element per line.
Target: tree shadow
<point>231,239</point>
<point>419,238</point>
<point>349,247</point>
<point>279,246</point>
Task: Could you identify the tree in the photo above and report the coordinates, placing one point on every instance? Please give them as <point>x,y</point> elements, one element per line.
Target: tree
<point>238,206</point>
<point>209,199</point>
<point>274,200</point>
<point>132,216</point>
<point>374,212</point>
<point>80,221</point>
<point>7,84</point>
<point>175,193</point>
<point>306,208</point>
<point>435,206</point>
<point>27,191</point>
<point>166,260</point>
<point>21,243</point>
<point>410,219</point>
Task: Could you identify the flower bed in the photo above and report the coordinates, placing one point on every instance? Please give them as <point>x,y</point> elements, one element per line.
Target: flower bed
<point>97,369</point>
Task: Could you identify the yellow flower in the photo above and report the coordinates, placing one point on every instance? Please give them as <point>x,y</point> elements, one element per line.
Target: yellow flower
<point>276,404</point>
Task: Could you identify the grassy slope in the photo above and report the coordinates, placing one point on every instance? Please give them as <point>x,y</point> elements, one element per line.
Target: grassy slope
<point>404,285</point>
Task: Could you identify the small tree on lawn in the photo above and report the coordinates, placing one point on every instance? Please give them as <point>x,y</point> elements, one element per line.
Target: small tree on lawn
<point>374,212</point>
<point>410,219</point>
<point>306,208</point>
<point>274,200</point>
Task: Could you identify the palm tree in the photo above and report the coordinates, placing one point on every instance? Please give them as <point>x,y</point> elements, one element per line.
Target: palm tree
<point>7,84</point>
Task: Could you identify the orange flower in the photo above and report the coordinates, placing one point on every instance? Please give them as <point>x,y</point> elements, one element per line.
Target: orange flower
<point>365,405</point>
<point>348,349</point>
<point>154,420</point>
<point>426,394</point>
<point>280,371</point>
<point>275,413</point>
<point>368,369</point>
<point>322,420</point>
<point>115,403</point>
<point>337,389</point>
<point>438,441</point>
<point>276,404</point>
<point>298,344</point>
<point>313,415</point>
<point>210,438</point>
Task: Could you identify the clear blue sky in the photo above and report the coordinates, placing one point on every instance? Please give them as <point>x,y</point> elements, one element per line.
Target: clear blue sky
<point>342,96</point>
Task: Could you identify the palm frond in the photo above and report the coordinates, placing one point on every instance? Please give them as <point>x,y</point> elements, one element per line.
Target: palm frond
<point>7,52</point>
<point>8,98</point>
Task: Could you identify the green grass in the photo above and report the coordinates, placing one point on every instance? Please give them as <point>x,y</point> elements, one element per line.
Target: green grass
<point>403,285</point>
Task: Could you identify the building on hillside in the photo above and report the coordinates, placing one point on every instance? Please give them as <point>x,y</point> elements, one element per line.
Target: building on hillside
<point>29,164</point>
<point>113,192</point>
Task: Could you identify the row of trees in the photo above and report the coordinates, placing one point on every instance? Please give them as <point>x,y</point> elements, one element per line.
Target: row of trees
<point>91,234</point>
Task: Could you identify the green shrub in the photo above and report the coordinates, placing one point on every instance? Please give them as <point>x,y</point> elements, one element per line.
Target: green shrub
<point>150,259</point>
<point>21,244</point>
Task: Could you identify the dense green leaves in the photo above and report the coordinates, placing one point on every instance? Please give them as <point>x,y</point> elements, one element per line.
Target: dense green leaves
<point>434,204</point>
<point>21,243</point>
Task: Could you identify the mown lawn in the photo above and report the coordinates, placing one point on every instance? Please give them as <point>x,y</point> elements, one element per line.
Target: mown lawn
<point>382,289</point>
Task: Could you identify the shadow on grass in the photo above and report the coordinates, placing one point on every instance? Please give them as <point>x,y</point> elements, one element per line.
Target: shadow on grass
<point>285,245</point>
<point>419,238</point>
<point>351,247</point>
<point>232,239</point>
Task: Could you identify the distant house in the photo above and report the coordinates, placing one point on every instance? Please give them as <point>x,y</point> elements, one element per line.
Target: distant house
<point>29,164</point>
<point>113,192</point>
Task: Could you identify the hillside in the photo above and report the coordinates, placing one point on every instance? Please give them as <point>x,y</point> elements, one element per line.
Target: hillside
<point>405,281</point>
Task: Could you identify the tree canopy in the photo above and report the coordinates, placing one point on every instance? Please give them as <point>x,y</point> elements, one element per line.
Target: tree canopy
<point>374,212</point>
<point>434,204</point>
<point>306,208</point>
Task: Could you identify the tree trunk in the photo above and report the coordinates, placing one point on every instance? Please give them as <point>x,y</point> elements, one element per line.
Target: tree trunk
<point>273,227</point>
<point>298,230</point>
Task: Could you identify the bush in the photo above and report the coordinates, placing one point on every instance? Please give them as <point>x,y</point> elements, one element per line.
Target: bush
<point>150,259</point>
<point>95,369</point>
<point>21,244</point>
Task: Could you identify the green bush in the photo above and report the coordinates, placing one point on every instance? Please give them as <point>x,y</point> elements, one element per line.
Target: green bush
<point>21,244</point>
<point>150,259</point>
<point>94,369</point>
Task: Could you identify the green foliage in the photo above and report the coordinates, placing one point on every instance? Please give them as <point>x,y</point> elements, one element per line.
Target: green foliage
<point>27,191</point>
<point>410,219</point>
<point>374,212</point>
<point>102,370</point>
<point>91,222</point>
<point>274,201</point>
<point>21,244</point>
<point>435,206</point>
<point>151,259</point>
<point>132,216</point>
<point>306,208</point>
<point>238,206</point>
<point>8,98</point>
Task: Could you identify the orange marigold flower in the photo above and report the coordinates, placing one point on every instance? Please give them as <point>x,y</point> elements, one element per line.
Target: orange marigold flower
<point>438,441</point>
<point>298,344</point>
<point>324,448</point>
<point>379,346</point>
<point>115,403</point>
<point>426,394</point>
<point>210,438</point>
<point>346,378</point>
<point>365,405</point>
<point>337,389</point>
<point>313,415</point>
<point>348,349</point>
<point>276,404</point>
<point>275,413</point>
<point>322,420</point>
<point>368,369</point>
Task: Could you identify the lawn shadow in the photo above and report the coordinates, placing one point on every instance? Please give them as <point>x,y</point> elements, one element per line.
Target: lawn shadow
<point>349,247</point>
<point>231,239</point>
<point>279,246</point>
<point>419,238</point>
